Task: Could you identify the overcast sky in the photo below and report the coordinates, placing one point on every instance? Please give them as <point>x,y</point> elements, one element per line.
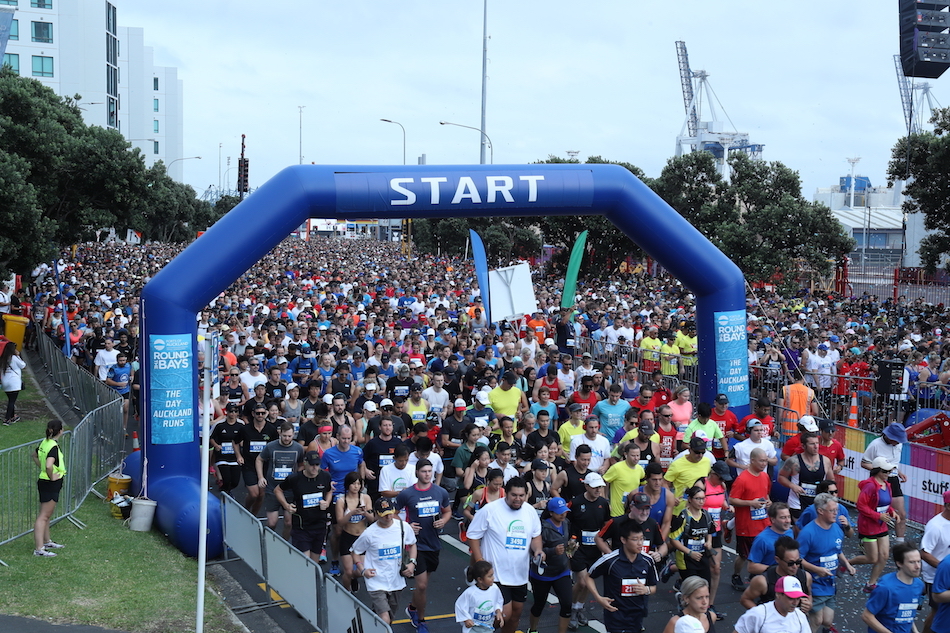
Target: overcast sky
<point>812,81</point>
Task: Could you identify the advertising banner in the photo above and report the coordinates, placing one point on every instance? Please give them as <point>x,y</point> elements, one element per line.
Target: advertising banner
<point>732,357</point>
<point>172,383</point>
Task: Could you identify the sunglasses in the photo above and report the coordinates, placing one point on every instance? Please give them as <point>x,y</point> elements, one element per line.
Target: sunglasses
<point>797,562</point>
<point>260,413</point>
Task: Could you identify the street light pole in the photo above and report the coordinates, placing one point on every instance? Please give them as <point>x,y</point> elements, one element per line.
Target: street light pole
<point>491,146</point>
<point>481,153</point>
<point>300,108</point>
<point>403,137</point>
<point>864,246</point>
<point>169,165</point>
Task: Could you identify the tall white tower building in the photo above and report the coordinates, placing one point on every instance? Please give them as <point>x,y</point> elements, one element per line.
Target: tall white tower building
<point>77,47</point>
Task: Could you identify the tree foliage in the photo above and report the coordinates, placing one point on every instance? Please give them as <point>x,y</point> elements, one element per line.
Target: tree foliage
<point>505,239</point>
<point>61,180</point>
<point>923,160</point>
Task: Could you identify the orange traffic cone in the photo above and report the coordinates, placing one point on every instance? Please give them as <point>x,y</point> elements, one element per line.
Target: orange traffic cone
<point>853,414</point>
<point>135,441</point>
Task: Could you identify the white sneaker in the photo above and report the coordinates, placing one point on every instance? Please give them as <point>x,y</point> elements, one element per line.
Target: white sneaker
<point>44,553</point>
<point>52,545</point>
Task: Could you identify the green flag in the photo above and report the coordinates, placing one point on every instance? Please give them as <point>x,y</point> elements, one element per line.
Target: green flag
<point>570,279</point>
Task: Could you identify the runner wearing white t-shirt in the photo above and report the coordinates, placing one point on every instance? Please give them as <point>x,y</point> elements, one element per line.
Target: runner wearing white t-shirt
<point>507,533</point>
<point>378,555</point>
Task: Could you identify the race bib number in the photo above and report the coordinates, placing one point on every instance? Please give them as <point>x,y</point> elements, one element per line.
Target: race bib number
<point>418,416</point>
<point>627,585</point>
<point>312,500</point>
<point>427,509</point>
<point>401,390</point>
<point>829,562</point>
<point>257,447</point>
<point>516,538</point>
<point>227,449</point>
<point>386,460</point>
<point>587,538</point>
<point>390,553</point>
<point>484,619</point>
<point>696,545</point>
<point>810,490</point>
<point>356,518</point>
<point>646,546</point>
<point>717,443</point>
<point>665,462</point>
<point>570,342</point>
<point>436,408</point>
<point>759,514</point>
<point>281,474</point>
<point>882,509</point>
<point>644,463</point>
<point>906,612</point>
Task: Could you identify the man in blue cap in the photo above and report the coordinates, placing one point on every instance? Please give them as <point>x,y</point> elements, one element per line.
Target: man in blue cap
<point>889,446</point>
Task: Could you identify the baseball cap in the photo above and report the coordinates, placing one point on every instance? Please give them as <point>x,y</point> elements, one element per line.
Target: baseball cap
<point>640,500</point>
<point>370,386</point>
<point>688,624</point>
<point>539,464</point>
<point>808,423</point>
<point>384,358</point>
<point>790,586</point>
<point>312,458</point>
<point>482,397</point>
<point>826,425</point>
<point>383,506</point>
<point>460,405</point>
<point>403,369</point>
<point>328,398</point>
<point>882,463</point>
<point>415,387</point>
<point>586,355</point>
<point>386,402</point>
<point>721,469</point>
<point>722,398</point>
<point>574,407</point>
<point>557,505</point>
<point>370,406</point>
<point>753,422</point>
<point>697,444</point>
<point>594,480</point>
<point>946,497</point>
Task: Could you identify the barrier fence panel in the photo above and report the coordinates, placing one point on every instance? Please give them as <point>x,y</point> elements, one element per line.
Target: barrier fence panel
<point>926,469</point>
<point>296,578</point>
<point>243,533</point>
<point>92,450</point>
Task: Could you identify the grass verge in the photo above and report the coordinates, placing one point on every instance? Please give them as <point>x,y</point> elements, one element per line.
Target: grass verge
<point>108,576</point>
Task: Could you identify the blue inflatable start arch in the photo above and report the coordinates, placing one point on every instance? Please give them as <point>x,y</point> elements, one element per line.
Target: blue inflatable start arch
<point>171,300</point>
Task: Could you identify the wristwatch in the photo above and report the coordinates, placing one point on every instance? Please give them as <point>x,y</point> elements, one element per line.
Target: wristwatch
<point>412,560</point>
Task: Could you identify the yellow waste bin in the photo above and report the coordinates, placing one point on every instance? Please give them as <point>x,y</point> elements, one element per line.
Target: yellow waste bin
<point>15,328</point>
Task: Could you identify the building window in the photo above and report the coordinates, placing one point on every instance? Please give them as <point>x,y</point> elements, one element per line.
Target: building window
<point>13,61</point>
<point>42,32</point>
<point>42,66</point>
<point>15,30</point>
<point>10,2</point>
<point>113,114</point>
<point>154,105</point>
<point>155,147</point>
<point>41,4</point>
<point>111,22</point>
<point>155,126</point>
<point>154,83</point>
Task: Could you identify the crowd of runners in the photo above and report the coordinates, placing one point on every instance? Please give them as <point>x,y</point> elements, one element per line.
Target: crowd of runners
<point>366,400</point>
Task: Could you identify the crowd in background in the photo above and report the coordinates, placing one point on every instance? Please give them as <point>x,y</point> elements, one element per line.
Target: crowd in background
<point>348,358</point>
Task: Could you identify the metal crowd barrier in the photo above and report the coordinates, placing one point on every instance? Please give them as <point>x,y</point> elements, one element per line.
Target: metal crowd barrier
<point>297,579</point>
<point>92,450</point>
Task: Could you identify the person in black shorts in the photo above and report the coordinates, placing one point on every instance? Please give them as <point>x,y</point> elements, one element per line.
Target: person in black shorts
<point>49,459</point>
<point>250,441</point>
<point>312,494</point>
<point>590,511</point>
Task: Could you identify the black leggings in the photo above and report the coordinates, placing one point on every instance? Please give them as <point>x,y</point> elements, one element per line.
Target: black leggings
<point>562,589</point>
<point>11,404</point>
<point>230,476</point>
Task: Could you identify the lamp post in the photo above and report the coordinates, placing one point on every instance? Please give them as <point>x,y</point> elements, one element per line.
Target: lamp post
<point>403,137</point>
<point>481,153</point>
<point>864,246</point>
<point>169,165</point>
<point>491,146</point>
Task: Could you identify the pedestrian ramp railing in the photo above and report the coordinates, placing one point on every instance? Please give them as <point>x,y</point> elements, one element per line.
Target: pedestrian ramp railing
<point>295,578</point>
